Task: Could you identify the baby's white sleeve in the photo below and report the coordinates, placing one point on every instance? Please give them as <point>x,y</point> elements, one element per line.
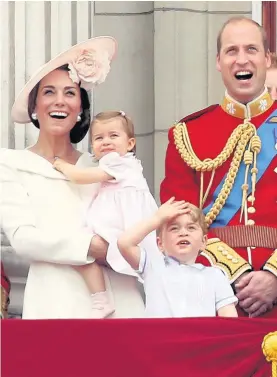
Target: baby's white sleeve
<point>114,165</point>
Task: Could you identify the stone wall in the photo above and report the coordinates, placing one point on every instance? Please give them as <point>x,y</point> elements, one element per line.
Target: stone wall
<point>165,69</point>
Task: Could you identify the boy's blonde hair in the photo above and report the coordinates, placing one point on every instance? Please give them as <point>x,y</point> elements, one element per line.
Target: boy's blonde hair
<point>197,216</point>
<point>127,123</point>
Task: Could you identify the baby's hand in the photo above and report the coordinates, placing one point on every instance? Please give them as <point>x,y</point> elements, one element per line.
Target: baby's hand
<point>59,164</point>
<point>68,170</point>
<point>171,209</point>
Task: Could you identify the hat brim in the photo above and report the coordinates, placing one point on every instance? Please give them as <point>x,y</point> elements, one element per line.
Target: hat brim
<point>19,111</point>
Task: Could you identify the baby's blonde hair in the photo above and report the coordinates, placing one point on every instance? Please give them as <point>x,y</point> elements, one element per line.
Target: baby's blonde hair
<point>127,123</point>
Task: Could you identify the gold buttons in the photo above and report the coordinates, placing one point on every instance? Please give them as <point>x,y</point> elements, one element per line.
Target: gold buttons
<point>250,222</point>
<point>251,210</point>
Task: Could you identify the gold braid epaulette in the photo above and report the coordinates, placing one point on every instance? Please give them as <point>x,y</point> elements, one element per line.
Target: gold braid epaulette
<point>237,144</point>
<point>227,259</point>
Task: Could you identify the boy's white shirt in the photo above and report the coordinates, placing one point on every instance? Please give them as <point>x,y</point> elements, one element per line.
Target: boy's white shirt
<point>178,290</point>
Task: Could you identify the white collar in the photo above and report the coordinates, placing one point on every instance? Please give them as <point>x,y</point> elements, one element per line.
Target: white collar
<point>25,160</point>
<point>173,261</point>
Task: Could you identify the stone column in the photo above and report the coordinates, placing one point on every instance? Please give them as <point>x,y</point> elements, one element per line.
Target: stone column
<point>6,71</point>
<point>31,34</point>
<point>130,84</point>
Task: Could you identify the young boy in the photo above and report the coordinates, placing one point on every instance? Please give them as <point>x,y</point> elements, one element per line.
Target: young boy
<point>176,286</point>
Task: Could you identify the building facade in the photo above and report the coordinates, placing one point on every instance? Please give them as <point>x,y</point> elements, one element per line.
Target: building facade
<point>164,70</point>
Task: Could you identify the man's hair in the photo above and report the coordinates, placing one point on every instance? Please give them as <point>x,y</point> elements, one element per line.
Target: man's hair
<point>273,58</point>
<point>127,122</point>
<point>241,19</point>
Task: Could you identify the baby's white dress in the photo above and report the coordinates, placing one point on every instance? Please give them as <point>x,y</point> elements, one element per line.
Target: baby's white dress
<point>119,204</point>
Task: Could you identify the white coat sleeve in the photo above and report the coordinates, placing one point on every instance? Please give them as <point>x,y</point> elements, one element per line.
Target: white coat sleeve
<point>18,223</point>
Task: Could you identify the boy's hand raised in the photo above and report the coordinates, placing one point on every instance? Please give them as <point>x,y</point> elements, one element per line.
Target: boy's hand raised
<point>171,209</point>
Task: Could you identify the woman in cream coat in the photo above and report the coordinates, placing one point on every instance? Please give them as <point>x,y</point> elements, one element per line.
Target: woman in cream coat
<point>42,213</point>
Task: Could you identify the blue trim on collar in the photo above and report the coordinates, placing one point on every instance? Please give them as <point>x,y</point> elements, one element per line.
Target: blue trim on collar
<point>172,260</point>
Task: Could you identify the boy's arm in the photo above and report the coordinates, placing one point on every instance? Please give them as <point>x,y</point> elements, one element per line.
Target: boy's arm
<point>129,240</point>
<point>228,311</point>
<point>81,176</point>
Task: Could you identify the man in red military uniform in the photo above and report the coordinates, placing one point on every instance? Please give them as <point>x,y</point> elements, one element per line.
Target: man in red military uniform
<point>224,160</point>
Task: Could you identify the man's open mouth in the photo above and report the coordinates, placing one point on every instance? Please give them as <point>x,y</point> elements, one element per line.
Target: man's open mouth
<point>58,115</point>
<point>243,75</point>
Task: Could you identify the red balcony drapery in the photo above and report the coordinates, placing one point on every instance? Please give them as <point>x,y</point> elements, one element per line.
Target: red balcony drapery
<point>210,347</point>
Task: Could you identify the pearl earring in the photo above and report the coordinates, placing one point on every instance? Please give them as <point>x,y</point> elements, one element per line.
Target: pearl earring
<point>34,116</point>
<point>79,117</point>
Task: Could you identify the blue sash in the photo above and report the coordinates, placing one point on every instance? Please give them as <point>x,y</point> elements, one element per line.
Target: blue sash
<point>266,133</point>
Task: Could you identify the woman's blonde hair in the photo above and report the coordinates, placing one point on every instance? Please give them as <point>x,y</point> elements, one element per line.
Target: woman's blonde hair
<point>127,123</point>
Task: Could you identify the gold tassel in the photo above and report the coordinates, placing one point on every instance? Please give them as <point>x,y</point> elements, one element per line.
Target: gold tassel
<point>256,146</point>
<point>248,160</point>
<point>269,347</point>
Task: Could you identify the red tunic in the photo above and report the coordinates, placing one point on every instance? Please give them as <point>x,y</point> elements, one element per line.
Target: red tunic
<point>209,131</point>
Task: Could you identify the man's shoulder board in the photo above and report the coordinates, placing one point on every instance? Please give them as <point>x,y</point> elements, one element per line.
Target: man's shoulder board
<point>198,114</point>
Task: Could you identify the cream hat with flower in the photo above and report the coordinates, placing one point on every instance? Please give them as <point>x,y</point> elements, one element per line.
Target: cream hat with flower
<point>88,63</point>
